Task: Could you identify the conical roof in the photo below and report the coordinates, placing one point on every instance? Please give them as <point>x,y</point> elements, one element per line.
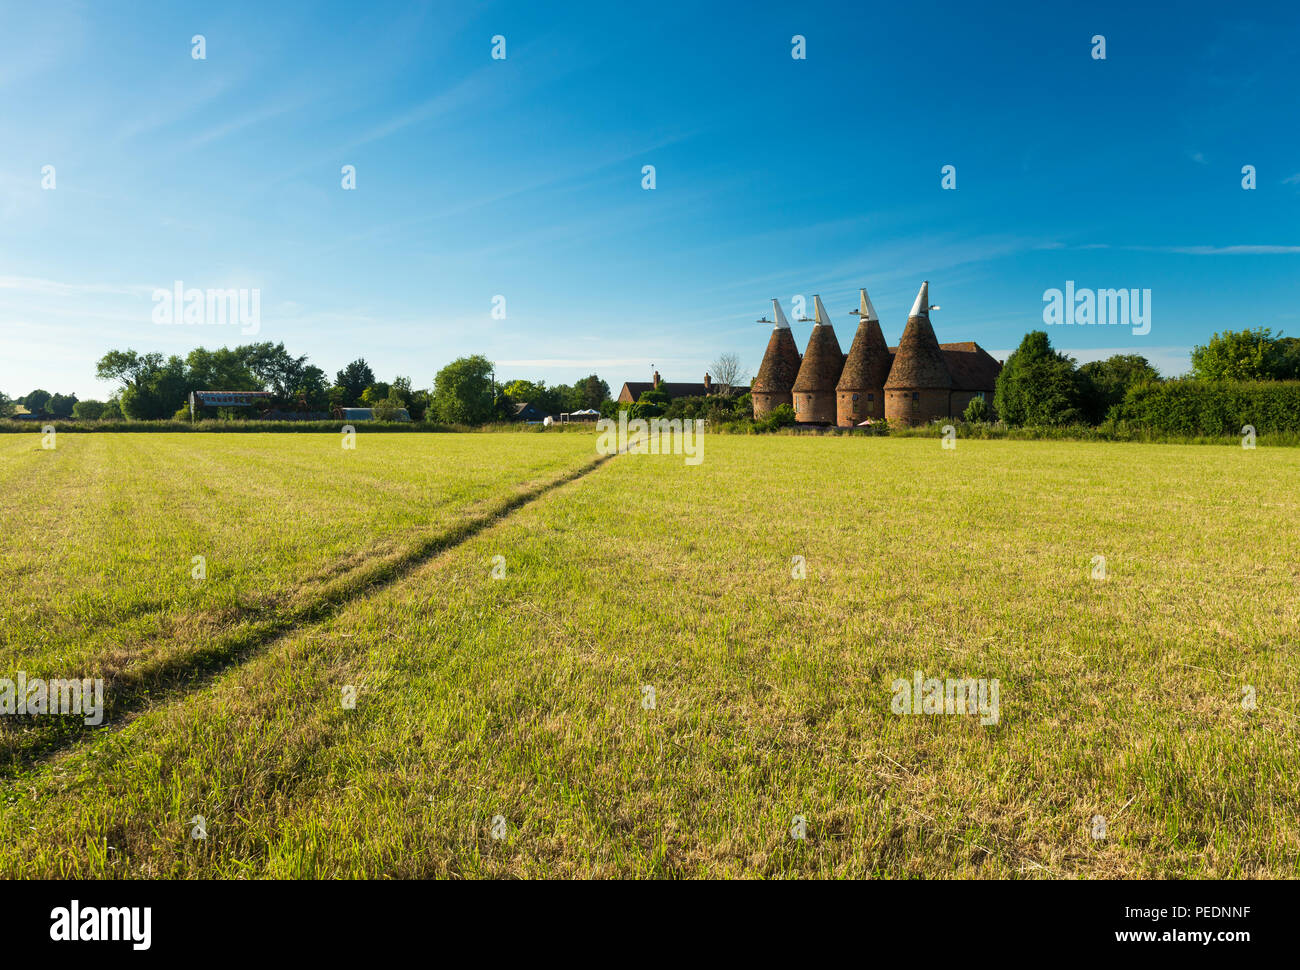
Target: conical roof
<point>919,361</point>
<point>823,360</point>
<point>781,361</point>
<point>865,310</point>
<point>779,316</point>
<point>868,362</point>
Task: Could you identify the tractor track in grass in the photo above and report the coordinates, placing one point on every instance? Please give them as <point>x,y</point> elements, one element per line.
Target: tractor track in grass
<point>133,690</point>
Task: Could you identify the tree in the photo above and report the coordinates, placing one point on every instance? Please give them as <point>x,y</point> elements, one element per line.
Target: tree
<point>219,370</point>
<point>152,387</point>
<point>1287,356</point>
<point>354,379</point>
<point>61,405</point>
<point>726,373</point>
<point>292,381</point>
<point>563,398</point>
<point>462,391</point>
<point>547,400</point>
<point>1105,382</point>
<point>35,401</point>
<point>88,410</point>
<point>418,405</point>
<point>374,394</point>
<point>7,405</point>
<point>1038,386</point>
<point>590,392</point>
<point>1238,355</point>
<point>280,372</point>
<point>311,392</point>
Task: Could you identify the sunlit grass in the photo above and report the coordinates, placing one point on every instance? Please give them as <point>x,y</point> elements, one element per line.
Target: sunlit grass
<point>522,696</point>
<point>97,556</point>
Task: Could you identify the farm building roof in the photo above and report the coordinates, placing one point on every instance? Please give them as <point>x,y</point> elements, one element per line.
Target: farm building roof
<point>869,359</point>
<point>971,366</point>
<point>632,390</point>
<point>823,360</point>
<point>919,361</point>
<point>230,399</point>
<point>780,364</point>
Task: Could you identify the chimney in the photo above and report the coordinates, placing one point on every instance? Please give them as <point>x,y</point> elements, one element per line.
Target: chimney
<point>708,384</point>
<point>656,380</point>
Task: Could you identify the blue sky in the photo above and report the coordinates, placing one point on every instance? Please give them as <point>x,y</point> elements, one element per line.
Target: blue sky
<point>522,177</point>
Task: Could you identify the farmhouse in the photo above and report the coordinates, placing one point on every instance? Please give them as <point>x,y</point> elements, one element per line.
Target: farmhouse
<point>527,411</point>
<point>920,380</point>
<point>632,390</point>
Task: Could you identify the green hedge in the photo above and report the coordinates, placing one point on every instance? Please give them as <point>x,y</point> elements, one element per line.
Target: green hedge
<point>1194,408</point>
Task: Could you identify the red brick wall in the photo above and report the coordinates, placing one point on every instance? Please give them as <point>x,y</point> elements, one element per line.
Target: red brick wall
<point>765,402</point>
<point>847,417</point>
<point>815,408</point>
<point>901,408</point>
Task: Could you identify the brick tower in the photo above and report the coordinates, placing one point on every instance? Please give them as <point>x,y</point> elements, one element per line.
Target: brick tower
<point>919,388</point>
<point>814,388</point>
<point>775,380</point>
<point>860,393</point>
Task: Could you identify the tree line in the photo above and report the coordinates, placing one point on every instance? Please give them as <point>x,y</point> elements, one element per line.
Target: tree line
<point>153,387</point>
<point>1042,387</point>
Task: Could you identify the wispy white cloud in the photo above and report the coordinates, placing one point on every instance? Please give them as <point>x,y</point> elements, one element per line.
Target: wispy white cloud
<point>44,287</point>
<point>1249,250</point>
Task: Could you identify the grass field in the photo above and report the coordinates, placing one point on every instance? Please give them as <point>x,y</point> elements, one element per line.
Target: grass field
<point>516,688</point>
<point>97,552</point>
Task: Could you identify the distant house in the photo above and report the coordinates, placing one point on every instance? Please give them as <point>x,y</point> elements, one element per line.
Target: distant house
<point>528,412</point>
<point>632,390</point>
<point>367,414</point>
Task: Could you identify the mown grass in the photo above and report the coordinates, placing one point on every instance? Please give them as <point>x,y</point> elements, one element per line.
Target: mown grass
<point>522,696</point>
<point>97,553</point>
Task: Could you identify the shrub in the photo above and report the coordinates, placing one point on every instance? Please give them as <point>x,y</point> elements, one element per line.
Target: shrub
<point>977,411</point>
<point>88,410</point>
